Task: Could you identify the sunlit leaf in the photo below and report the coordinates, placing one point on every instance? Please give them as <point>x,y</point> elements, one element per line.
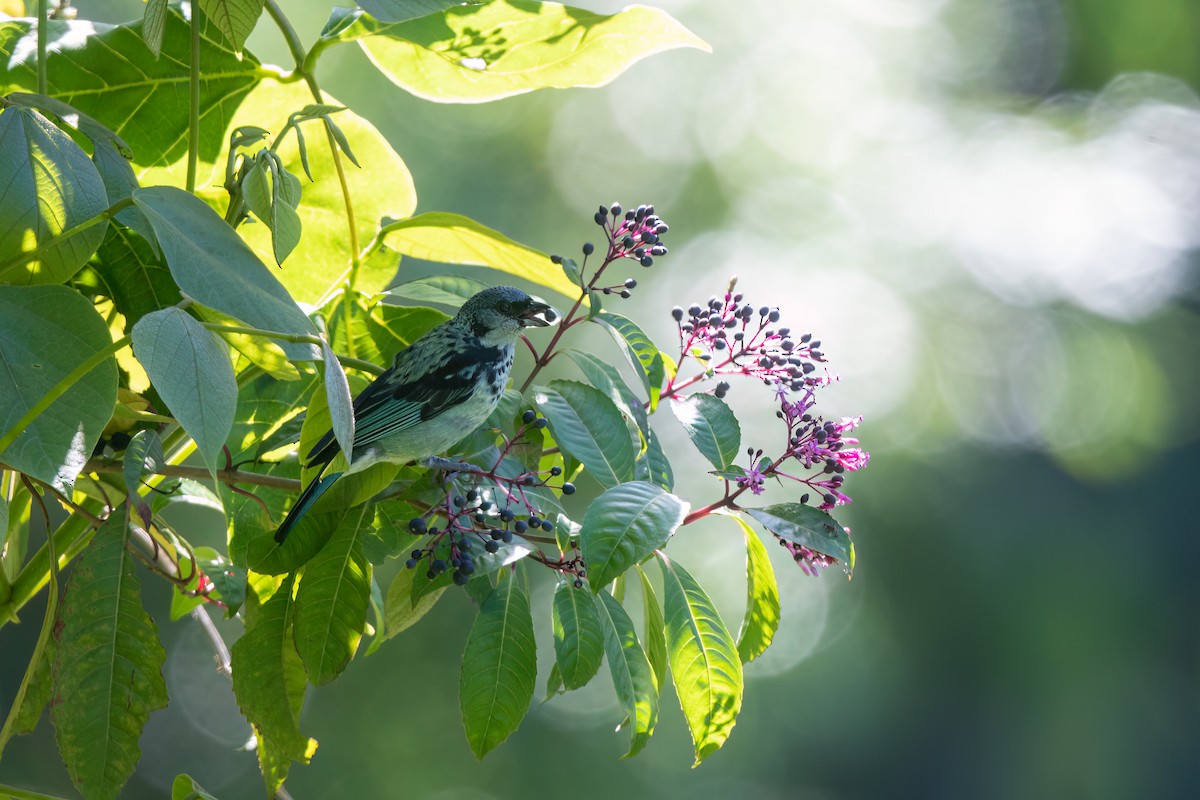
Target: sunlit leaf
<point>400,610</point>
<point>639,349</point>
<point>712,427</point>
<point>578,637</point>
<point>450,290</point>
<point>705,666</point>
<point>810,527</point>
<point>235,18</point>
<point>588,426</point>
<point>655,628</point>
<point>762,598</point>
<point>473,54</point>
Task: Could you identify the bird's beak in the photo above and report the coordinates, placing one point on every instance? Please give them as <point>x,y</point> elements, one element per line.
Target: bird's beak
<point>538,315</point>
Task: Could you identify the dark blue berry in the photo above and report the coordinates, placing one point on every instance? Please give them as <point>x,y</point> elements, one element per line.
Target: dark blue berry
<point>411,563</point>
<point>556,471</point>
<point>588,248</point>
<point>568,488</point>
<point>646,261</point>
<point>547,525</point>
<point>539,423</point>
<point>556,259</point>
<point>520,526</point>
<point>528,417</point>
<point>677,313</point>
<point>630,283</point>
<point>579,583</point>
<point>491,546</point>
<point>615,209</point>
<point>461,578</point>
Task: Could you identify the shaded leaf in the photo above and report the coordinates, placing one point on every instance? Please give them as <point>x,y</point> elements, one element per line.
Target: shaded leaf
<point>234,18</point>
<point>640,351</point>
<point>154,22</point>
<point>331,604</point>
<point>625,525</point>
<point>34,358</point>
<point>400,612</point>
<point>143,454</point>
<point>184,787</point>
<point>499,667</point>
<point>133,275</point>
<point>189,366</point>
<point>655,630</point>
<point>583,421</point>
<point>810,527</point>
<point>108,671</point>
<point>632,676</point>
<point>705,666</point>
<point>578,637</point>
<point>450,290</point>
<point>268,682</point>
<point>213,266</point>
<point>337,395</point>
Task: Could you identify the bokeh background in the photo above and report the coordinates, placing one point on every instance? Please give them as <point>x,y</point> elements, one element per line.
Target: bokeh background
<point>988,212</point>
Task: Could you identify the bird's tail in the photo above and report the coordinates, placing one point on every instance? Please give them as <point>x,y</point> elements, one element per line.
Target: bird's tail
<point>316,487</point>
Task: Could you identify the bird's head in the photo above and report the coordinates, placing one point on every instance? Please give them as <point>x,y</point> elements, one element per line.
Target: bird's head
<point>498,314</point>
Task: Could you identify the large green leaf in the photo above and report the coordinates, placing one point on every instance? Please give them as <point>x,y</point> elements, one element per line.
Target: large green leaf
<point>455,239</point>
<point>108,671</point>
<point>761,620</point>
<point>578,637</point>
<point>639,349</point>
<point>588,426</point>
<point>213,266</point>
<point>35,356</point>
<point>337,397</point>
<point>325,258</point>
<point>400,10</point>
<point>625,525</point>
<point>235,18</point>
<point>499,668</point>
<point>810,527</point>
<point>189,366</point>
<point>450,290</point>
<point>49,186</point>
<point>653,465</point>
<point>268,682</point>
<point>136,279</point>
<point>606,378</point>
<point>108,72</point>
<point>632,676</point>
<point>331,605</point>
<point>712,426</point>
<point>705,666</point>
<point>477,53</point>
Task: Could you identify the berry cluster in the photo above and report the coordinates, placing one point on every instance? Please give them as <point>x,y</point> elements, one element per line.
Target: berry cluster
<point>730,337</point>
<point>635,234</point>
<point>490,513</point>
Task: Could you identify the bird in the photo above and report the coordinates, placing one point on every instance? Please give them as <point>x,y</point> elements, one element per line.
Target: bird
<point>438,389</point>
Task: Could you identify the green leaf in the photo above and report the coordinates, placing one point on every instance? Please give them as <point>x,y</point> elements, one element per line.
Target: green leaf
<point>583,421</point>
<point>705,666</point>
<point>393,328</point>
<point>213,266</point>
<point>268,682</point>
<point>762,598</point>
<point>326,257</point>
<point>653,465</point>
<point>499,668</point>
<point>35,357</point>
<point>578,637</point>
<point>655,627</point>
<point>400,612</point>
<point>474,54</point>
<point>450,290</point>
<point>34,692</point>
<point>625,525</point>
<point>712,426</point>
<point>337,395</point>
<point>143,454</point>
<point>154,22</point>
<point>133,275</point>
<point>189,366</point>
<point>454,239</point>
<point>49,186</point>
<point>554,683</point>
<point>400,10</point>
<point>607,379</point>
<point>235,18</point>
<point>632,676</point>
<point>108,671</point>
<point>258,350</point>
<point>184,787</point>
<point>138,95</point>
<point>272,194</point>
<point>640,351</point>
<point>331,605</point>
<point>268,417</point>
<point>809,527</point>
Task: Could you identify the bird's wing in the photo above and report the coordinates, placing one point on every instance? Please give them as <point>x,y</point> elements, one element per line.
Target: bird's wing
<point>415,389</point>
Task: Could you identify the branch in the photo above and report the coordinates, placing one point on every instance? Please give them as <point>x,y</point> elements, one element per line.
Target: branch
<point>201,473</point>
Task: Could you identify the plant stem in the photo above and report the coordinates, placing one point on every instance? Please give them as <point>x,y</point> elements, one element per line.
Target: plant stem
<point>42,36</point>
<point>60,388</point>
<point>202,473</point>
<point>194,100</point>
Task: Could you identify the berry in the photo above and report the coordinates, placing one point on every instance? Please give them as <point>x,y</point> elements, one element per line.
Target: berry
<point>547,525</point>
<point>506,515</point>
<point>417,553</point>
<point>556,259</point>
<point>417,525</point>
<point>411,563</point>
<point>579,583</point>
<point>556,471</point>
<point>520,526</point>
<point>646,261</point>
<point>588,248</point>
<point>535,522</point>
<point>529,416</point>
<point>539,423</point>
<point>461,578</point>
<point>568,488</point>
<point>677,313</point>
<point>491,546</point>
<point>630,283</point>
<point>438,566</point>
<point>601,218</point>
<point>615,209</point>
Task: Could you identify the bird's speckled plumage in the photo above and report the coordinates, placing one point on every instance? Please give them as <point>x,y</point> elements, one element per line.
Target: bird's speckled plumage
<point>439,389</point>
